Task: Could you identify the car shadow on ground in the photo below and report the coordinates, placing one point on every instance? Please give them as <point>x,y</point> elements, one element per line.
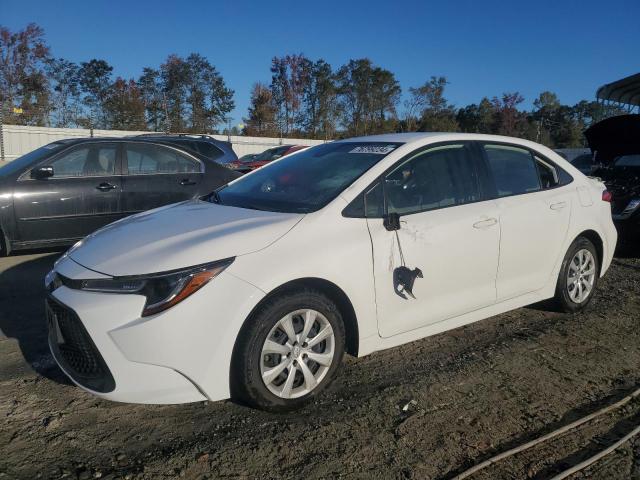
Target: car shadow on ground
<point>22,317</point>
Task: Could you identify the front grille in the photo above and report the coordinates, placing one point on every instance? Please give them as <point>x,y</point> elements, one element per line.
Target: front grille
<point>74,350</point>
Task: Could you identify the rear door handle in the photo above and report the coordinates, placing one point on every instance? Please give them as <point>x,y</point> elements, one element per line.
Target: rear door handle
<point>489,222</point>
<point>186,181</point>
<point>558,205</point>
<point>105,187</point>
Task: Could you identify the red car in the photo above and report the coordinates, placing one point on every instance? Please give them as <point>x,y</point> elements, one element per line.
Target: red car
<point>249,163</point>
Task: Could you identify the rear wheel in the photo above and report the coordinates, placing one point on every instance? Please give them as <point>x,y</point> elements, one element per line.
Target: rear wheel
<point>290,352</point>
<point>578,276</point>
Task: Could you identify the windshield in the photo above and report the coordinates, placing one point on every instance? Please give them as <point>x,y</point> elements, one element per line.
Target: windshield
<point>306,181</point>
<point>30,158</point>
<point>628,161</point>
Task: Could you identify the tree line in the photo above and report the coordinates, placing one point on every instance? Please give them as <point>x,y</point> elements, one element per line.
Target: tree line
<point>305,98</point>
<point>311,99</point>
<point>181,95</point>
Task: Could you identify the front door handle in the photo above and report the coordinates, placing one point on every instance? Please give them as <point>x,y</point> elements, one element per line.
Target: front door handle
<point>558,205</point>
<point>105,187</point>
<point>489,222</point>
<point>186,181</point>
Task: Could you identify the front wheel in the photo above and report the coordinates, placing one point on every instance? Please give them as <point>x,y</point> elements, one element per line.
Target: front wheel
<point>289,352</point>
<point>578,276</point>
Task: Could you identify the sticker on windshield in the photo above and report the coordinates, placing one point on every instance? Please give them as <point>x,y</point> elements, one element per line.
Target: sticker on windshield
<point>376,149</point>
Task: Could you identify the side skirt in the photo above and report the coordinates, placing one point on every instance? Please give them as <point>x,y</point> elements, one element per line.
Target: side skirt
<point>61,242</point>
<point>376,343</point>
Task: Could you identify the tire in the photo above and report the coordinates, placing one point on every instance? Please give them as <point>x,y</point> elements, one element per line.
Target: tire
<point>3,246</point>
<point>568,298</point>
<point>254,373</point>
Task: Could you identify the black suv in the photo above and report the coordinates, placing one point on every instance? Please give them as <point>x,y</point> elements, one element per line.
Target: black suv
<point>204,145</point>
<point>65,190</point>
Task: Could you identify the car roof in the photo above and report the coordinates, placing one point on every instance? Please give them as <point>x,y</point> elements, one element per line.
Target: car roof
<point>395,137</point>
<point>170,140</point>
<point>420,137</point>
<point>143,138</point>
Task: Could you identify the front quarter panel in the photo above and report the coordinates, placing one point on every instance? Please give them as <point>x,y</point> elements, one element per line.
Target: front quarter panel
<point>324,245</point>
<point>196,337</point>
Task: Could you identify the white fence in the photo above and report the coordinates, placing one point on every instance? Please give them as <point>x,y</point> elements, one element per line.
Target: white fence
<point>19,140</point>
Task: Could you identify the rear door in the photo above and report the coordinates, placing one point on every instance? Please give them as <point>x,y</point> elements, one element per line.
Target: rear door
<point>534,209</point>
<point>157,175</point>
<point>82,196</point>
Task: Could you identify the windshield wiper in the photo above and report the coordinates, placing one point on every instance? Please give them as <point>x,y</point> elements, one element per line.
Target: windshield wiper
<point>214,197</point>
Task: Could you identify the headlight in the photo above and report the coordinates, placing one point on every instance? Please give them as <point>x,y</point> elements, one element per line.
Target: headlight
<point>162,290</point>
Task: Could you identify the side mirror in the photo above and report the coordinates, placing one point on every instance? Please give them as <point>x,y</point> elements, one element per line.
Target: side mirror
<point>391,221</point>
<point>42,172</point>
<point>275,157</point>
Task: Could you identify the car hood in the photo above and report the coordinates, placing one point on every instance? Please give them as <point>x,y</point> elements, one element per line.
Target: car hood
<point>178,236</point>
<point>613,137</point>
<point>621,181</point>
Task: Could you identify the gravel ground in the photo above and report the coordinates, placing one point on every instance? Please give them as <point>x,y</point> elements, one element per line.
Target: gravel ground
<point>469,393</point>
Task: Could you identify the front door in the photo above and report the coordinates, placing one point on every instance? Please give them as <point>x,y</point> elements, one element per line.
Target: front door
<point>447,230</point>
<point>82,195</point>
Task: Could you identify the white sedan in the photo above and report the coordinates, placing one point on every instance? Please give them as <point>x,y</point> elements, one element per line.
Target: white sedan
<point>256,291</point>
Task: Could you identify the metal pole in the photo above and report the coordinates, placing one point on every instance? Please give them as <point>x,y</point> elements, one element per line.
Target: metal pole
<point>167,125</point>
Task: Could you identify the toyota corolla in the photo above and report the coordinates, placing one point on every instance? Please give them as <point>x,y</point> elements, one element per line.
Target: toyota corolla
<point>257,290</point>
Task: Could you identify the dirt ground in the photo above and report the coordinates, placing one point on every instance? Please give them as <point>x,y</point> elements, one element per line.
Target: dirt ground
<point>469,393</point>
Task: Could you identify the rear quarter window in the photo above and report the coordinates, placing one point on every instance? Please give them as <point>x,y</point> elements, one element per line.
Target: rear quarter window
<point>208,150</point>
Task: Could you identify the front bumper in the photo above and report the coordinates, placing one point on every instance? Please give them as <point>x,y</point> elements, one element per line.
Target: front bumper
<point>180,355</point>
<point>73,349</point>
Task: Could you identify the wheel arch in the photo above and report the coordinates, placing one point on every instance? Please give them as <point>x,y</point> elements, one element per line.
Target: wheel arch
<point>595,238</point>
<point>332,291</point>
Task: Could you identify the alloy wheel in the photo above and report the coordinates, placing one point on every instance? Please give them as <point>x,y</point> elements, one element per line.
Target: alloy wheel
<point>581,276</point>
<point>297,353</point>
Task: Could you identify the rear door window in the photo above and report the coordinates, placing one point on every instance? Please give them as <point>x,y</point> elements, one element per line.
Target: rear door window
<point>514,170</point>
<point>144,159</point>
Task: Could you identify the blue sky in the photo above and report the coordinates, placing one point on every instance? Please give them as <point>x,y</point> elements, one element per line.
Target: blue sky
<point>483,47</point>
